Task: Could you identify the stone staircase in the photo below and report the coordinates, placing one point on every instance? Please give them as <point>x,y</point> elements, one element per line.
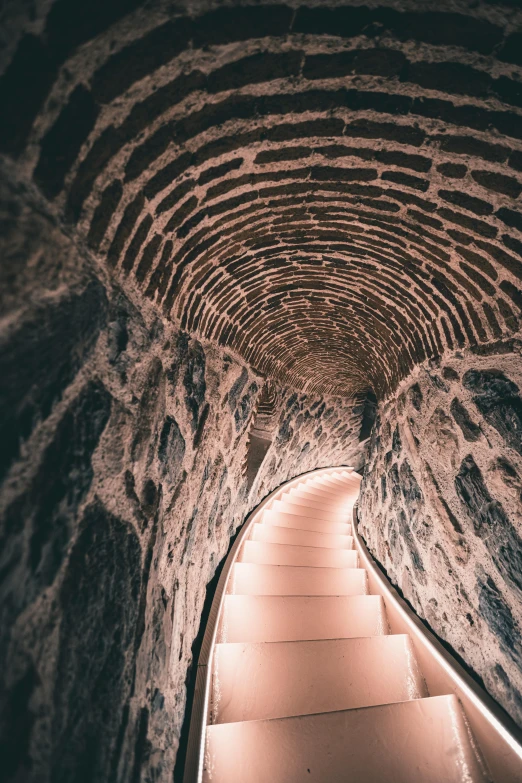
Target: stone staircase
<point>307,682</point>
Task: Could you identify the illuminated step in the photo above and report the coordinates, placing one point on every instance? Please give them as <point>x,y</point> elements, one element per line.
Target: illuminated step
<point>253,579</point>
<point>341,506</point>
<point>258,681</point>
<point>321,496</point>
<point>336,477</point>
<point>421,741</point>
<point>273,534</point>
<point>334,494</point>
<point>338,484</point>
<point>305,511</point>
<point>248,618</point>
<point>320,490</point>
<point>305,523</point>
<point>287,554</point>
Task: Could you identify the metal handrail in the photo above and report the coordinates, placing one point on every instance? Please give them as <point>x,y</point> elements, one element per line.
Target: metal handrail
<point>498,737</point>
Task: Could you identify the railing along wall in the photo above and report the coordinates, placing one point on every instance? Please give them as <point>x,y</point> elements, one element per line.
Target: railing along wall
<point>498,736</point>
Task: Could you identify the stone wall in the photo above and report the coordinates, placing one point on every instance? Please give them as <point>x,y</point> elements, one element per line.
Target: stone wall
<point>123,453</point>
<point>312,432</point>
<point>441,507</point>
<point>329,192</point>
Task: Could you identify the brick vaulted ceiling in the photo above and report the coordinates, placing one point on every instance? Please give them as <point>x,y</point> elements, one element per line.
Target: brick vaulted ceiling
<point>332,191</point>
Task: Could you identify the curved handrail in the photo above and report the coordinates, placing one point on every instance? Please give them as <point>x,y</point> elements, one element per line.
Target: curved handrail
<point>200,706</point>
<point>498,736</point>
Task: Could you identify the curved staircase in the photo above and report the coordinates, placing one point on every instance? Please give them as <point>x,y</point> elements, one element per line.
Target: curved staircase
<point>313,669</point>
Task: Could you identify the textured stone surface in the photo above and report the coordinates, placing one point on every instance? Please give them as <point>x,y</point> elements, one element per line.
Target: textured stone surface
<point>499,401</point>
<point>441,511</point>
<point>97,630</point>
<point>220,218</point>
<point>126,477</point>
<point>283,177</point>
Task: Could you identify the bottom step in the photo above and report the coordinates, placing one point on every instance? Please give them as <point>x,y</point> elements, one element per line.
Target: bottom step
<point>422,741</point>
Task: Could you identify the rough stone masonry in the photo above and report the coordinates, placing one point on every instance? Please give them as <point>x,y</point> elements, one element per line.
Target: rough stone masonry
<point>124,447</point>
<point>441,503</point>
<point>203,199</point>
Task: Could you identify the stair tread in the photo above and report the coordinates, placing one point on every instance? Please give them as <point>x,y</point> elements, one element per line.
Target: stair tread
<point>422,740</point>
<point>256,681</point>
<point>338,503</point>
<point>335,487</point>
<point>276,534</point>
<point>305,523</point>
<point>323,493</point>
<point>314,513</point>
<point>270,553</point>
<point>268,579</point>
<point>288,618</point>
<point>320,503</point>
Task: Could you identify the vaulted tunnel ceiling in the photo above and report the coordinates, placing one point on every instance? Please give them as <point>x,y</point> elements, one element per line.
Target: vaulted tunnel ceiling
<point>332,192</point>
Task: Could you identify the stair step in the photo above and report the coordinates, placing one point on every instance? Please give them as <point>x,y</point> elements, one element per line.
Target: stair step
<point>318,479</point>
<point>323,486</point>
<point>305,511</point>
<point>341,499</point>
<point>248,618</point>
<point>348,478</point>
<point>254,579</point>
<point>320,496</point>
<point>341,475</point>
<point>259,681</point>
<point>336,493</point>
<point>426,740</point>
<point>337,483</point>
<point>305,523</point>
<point>273,534</point>
<point>321,504</point>
<point>290,555</point>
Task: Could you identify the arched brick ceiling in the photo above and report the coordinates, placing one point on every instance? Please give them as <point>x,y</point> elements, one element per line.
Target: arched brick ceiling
<point>331,191</point>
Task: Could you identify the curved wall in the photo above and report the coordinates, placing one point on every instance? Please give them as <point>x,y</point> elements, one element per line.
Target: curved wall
<point>124,444</point>
<point>330,190</point>
<point>440,508</point>
<point>199,198</point>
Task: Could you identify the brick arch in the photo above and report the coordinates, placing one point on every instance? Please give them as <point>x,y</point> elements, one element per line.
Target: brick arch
<point>332,192</point>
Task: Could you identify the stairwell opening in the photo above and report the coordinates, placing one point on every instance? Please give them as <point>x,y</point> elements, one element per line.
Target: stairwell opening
<point>261,432</point>
<point>369,413</point>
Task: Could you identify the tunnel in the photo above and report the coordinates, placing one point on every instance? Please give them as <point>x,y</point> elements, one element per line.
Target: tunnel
<point>244,241</point>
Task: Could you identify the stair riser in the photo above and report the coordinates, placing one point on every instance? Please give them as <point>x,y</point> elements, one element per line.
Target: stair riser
<point>253,579</point>
<point>339,493</point>
<point>305,523</point>
<point>288,555</point>
<point>272,534</point>
<point>341,507</point>
<point>424,741</point>
<point>326,500</point>
<point>281,679</point>
<point>286,619</point>
<point>306,511</point>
